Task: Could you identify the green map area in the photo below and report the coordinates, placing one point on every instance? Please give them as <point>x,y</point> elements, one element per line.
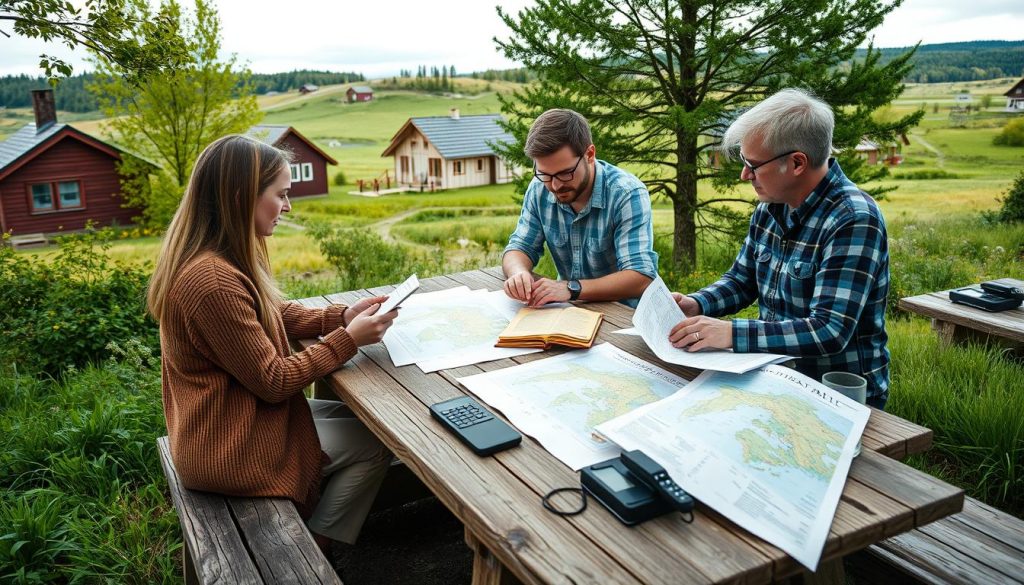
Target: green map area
<point>793,436</point>
<point>463,328</point>
<point>604,395</point>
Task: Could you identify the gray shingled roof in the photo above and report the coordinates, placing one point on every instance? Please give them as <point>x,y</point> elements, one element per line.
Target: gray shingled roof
<point>23,141</point>
<point>269,133</point>
<point>362,88</point>
<point>468,136</point>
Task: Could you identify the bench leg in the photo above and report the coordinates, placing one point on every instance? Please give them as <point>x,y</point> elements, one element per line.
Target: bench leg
<point>487,569</point>
<point>189,567</point>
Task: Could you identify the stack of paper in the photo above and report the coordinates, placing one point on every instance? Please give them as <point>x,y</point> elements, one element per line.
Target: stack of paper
<point>542,328</point>
<point>451,328</point>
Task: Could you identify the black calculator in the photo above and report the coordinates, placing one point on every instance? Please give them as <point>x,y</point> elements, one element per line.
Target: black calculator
<point>475,426</point>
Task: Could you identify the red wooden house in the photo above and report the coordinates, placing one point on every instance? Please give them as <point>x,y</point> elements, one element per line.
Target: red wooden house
<point>309,163</point>
<point>1015,97</point>
<point>56,178</point>
<point>359,93</point>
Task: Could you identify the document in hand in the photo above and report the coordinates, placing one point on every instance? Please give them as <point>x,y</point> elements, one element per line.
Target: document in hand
<point>544,327</point>
<point>769,449</point>
<point>658,313</point>
<point>400,293</point>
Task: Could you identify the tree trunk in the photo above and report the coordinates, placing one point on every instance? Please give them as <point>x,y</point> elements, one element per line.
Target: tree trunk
<point>684,204</point>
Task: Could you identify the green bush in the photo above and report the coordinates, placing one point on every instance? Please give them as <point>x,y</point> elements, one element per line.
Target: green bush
<point>1012,209</point>
<point>1012,134</point>
<point>64,311</point>
<point>82,493</point>
<point>924,174</point>
<point>363,259</point>
<point>339,178</point>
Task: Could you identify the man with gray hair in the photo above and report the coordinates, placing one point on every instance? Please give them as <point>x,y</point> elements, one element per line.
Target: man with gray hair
<point>815,259</point>
<point>594,217</point>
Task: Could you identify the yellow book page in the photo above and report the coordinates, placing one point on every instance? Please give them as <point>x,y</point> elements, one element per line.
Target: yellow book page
<point>570,321</point>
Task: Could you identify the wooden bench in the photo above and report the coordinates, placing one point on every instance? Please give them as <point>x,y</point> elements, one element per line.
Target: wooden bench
<point>28,241</point>
<point>243,540</point>
<point>979,545</point>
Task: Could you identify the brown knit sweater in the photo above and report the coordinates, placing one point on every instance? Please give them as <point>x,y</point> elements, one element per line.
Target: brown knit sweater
<point>236,417</point>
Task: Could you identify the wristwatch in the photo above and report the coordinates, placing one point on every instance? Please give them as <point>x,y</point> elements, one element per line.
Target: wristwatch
<point>575,288</point>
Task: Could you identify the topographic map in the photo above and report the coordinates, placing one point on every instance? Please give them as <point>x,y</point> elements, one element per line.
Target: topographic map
<point>560,400</point>
<point>769,449</point>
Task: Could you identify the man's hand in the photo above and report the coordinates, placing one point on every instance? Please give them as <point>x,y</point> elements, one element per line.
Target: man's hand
<point>519,286</point>
<point>689,305</point>
<point>367,327</point>
<point>360,306</point>
<point>547,291</point>
<point>697,333</point>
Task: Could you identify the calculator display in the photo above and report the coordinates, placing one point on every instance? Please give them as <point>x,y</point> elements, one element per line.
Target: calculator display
<point>613,479</point>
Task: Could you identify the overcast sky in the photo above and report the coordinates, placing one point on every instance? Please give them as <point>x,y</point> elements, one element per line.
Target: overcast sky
<point>379,37</point>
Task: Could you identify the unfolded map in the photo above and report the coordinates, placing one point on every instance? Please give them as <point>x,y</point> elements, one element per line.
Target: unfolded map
<point>559,400</point>
<point>769,449</point>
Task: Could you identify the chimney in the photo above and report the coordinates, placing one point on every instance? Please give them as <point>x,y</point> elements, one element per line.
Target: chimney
<point>454,113</point>
<point>45,110</point>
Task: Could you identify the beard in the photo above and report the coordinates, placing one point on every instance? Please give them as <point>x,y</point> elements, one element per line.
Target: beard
<point>577,191</point>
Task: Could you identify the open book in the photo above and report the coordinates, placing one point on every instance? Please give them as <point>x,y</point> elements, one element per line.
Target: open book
<point>569,326</point>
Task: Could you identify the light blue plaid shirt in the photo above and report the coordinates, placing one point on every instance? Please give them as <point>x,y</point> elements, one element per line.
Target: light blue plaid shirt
<point>820,276</point>
<point>612,233</point>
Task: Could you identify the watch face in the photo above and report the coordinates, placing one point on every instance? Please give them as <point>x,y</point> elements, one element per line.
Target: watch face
<point>574,285</point>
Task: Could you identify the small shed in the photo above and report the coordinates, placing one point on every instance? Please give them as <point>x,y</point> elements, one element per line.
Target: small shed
<point>308,88</point>
<point>309,164</point>
<point>1015,97</point>
<point>450,152</point>
<point>359,93</point>
<point>874,153</point>
<point>54,177</point>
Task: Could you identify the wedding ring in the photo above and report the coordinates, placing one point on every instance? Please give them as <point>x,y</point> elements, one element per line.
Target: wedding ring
<point>696,335</point>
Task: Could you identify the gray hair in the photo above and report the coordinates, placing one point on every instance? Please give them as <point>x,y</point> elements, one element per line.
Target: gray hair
<point>792,119</point>
<point>557,128</point>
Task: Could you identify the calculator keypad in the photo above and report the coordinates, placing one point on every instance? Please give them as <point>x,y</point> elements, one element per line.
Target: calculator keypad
<point>465,415</point>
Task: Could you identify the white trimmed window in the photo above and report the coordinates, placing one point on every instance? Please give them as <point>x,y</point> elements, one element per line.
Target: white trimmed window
<point>296,173</point>
<point>307,171</point>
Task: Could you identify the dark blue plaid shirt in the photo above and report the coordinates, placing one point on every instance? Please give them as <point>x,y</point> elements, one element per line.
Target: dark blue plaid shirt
<point>820,275</point>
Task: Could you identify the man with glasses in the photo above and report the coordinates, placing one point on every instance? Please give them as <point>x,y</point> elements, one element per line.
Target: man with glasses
<point>815,258</point>
<point>594,217</point>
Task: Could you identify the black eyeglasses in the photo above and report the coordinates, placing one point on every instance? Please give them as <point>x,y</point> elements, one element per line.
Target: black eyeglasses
<point>753,168</point>
<point>563,176</point>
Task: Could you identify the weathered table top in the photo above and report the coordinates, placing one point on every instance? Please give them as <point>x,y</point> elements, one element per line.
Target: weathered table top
<point>1005,324</point>
<point>498,498</point>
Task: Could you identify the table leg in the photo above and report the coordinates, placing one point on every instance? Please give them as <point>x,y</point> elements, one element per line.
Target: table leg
<point>828,573</point>
<point>487,569</point>
<point>953,334</point>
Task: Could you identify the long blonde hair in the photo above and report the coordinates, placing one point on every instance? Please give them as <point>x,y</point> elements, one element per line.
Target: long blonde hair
<point>217,215</point>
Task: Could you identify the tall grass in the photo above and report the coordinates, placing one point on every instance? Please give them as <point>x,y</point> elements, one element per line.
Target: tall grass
<point>972,397</point>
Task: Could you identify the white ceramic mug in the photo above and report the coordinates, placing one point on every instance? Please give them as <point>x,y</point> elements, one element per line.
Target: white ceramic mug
<point>849,385</point>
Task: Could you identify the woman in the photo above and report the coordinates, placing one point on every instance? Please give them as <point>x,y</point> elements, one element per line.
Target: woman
<point>232,390</point>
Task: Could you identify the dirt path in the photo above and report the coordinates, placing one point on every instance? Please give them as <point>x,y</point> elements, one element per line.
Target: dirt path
<point>940,159</point>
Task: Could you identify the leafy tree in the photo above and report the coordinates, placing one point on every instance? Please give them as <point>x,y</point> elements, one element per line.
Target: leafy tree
<point>171,117</point>
<point>1012,209</point>
<point>1011,135</point>
<point>658,80</point>
<point>114,29</point>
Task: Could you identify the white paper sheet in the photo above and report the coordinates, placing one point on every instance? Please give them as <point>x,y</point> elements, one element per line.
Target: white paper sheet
<point>658,313</point>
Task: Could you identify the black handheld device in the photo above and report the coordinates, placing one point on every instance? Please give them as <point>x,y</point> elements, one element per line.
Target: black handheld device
<point>634,488</point>
<point>475,426</point>
<point>1004,288</point>
<point>656,478</point>
<point>979,299</point>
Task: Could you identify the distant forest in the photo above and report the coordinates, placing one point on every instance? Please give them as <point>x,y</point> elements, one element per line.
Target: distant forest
<point>71,95</point>
<point>971,61</point>
<point>946,62</point>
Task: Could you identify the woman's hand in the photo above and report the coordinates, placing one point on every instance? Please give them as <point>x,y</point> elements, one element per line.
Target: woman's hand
<point>697,333</point>
<point>359,307</point>
<point>367,327</point>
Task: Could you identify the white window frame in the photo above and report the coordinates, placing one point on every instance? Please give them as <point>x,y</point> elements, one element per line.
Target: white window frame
<point>307,171</point>
<point>296,172</point>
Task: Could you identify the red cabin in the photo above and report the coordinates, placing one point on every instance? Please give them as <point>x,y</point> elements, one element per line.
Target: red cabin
<point>56,178</point>
<point>309,163</point>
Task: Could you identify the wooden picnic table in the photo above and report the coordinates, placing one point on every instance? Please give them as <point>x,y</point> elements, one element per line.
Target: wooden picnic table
<point>498,498</point>
<point>957,323</point>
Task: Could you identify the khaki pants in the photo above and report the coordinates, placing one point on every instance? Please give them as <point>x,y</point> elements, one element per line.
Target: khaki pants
<point>359,462</point>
